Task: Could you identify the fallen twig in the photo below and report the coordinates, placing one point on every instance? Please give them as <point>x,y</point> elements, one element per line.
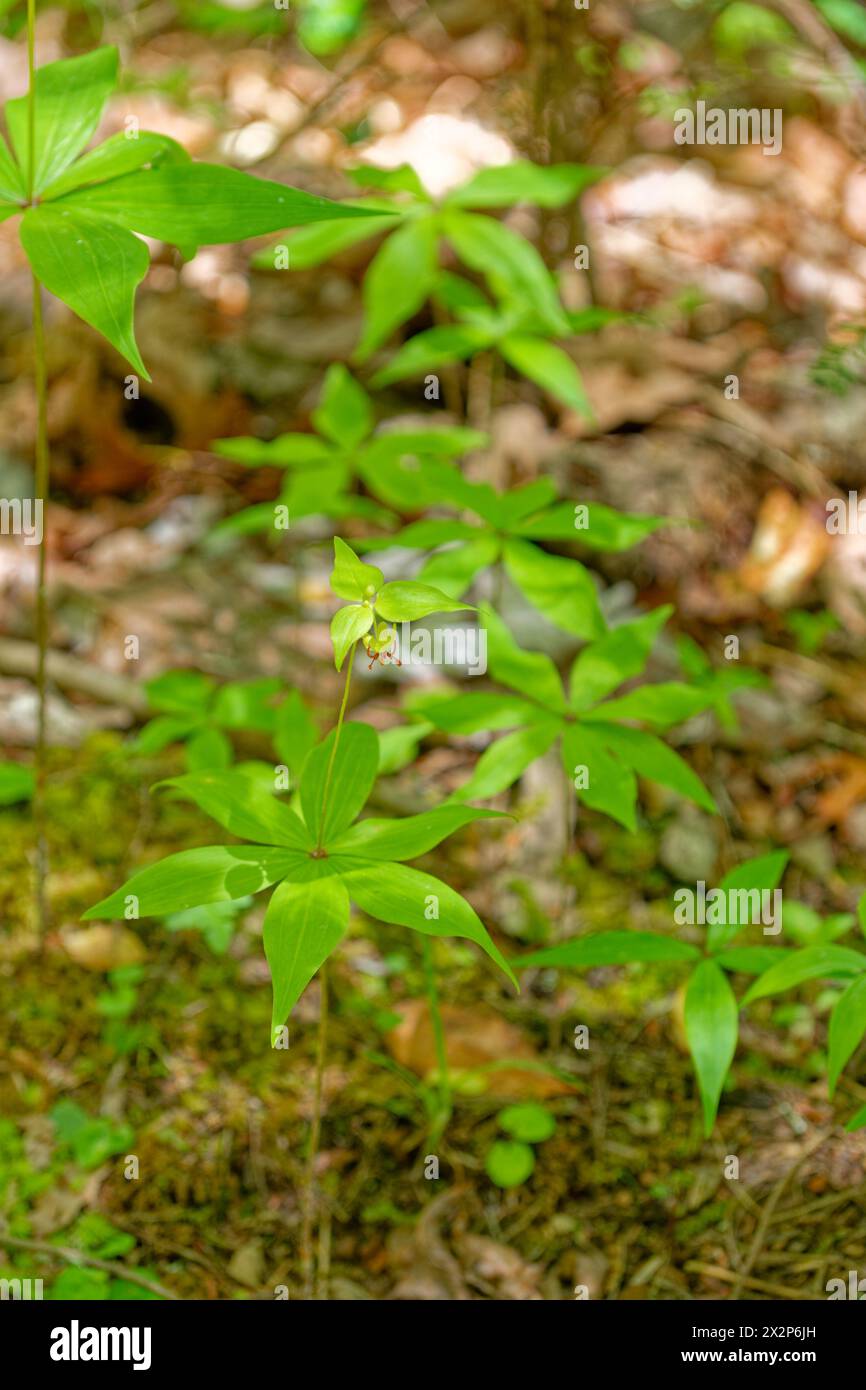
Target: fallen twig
<point>78,1257</point>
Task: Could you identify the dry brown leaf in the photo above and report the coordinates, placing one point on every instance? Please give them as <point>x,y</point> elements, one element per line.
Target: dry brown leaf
<point>103,947</point>
<point>473,1038</point>
<point>789,545</point>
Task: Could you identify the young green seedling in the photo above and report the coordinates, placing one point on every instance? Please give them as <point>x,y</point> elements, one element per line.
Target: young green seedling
<point>320,467</point>
<point>820,958</point>
<point>193,710</point>
<point>510,1162</point>
<point>405,273</point>
<point>83,219</point>
<point>509,525</point>
<point>603,755</point>
<point>320,859</point>
<point>711,1010</point>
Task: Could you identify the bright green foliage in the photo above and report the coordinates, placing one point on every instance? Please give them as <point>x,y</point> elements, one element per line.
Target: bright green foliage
<point>319,467</point>
<point>326,26</point>
<point>90,1141</point>
<point>711,1024</point>
<point>721,683</point>
<point>818,959</point>
<point>509,1162</point>
<point>193,710</point>
<point>321,862</point>
<point>396,602</point>
<point>529,1122</point>
<point>601,754</point>
<point>215,921</point>
<point>507,528</point>
<point>16,783</point>
<point>805,927</point>
<point>405,273</point>
<point>711,1015</point>
<point>80,235</point>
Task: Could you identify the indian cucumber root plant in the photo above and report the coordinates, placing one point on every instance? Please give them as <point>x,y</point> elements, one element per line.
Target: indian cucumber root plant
<point>83,217</point>
<point>436,560</point>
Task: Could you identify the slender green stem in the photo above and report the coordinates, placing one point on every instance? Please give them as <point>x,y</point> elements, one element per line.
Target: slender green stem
<point>339,727</point>
<point>41,491</point>
<point>309,1204</point>
<point>313,1141</point>
<point>31,104</point>
<point>444,1087</point>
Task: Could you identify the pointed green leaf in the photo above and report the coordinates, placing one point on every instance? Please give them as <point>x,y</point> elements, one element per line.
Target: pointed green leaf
<point>347,625</point>
<point>118,155</point>
<point>521,502</point>
<point>410,837</point>
<point>609,948</point>
<point>550,368</point>
<point>760,874</point>
<point>345,411</point>
<point>424,535</point>
<point>847,1026</point>
<point>180,692</point>
<point>592,524</point>
<point>202,204</point>
<point>350,577</point>
<point>209,750</point>
<point>160,732</point>
<point>12,187</point>
<point>812,963</point>
<point>398,281</point>
<point>453,570</point>
<point>559,588</point>
<point>93,267</point>
<point>857,1120</point>
<point>236,801</point>
<point>69,98</point>
<point>247,704</point>
<point>506,759</point>
<point>403,179</point>
<point>398,746</point>
<point>319,241</point>
<point>409,898</point>
<point>475,712</point>
<point>304,923</point>
<point>751,960</point>
<point>351,780</point>
<point>711,1024</point>
<point>669,702</point>
<point>611,786</point>
<point>614,658</point>
<point>654,760</point>
<point>509,263</point>
<point>215,874</point>
<point>286,451</point>
<point>435,347</point>
<point>404,600</point>
<point>522,181</point>
<point>295,732</point>
<point>531,673</point>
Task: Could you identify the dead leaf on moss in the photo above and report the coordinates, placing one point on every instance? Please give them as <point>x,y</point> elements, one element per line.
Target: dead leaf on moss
<point>474,1038</point>
<point>103,947</point>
